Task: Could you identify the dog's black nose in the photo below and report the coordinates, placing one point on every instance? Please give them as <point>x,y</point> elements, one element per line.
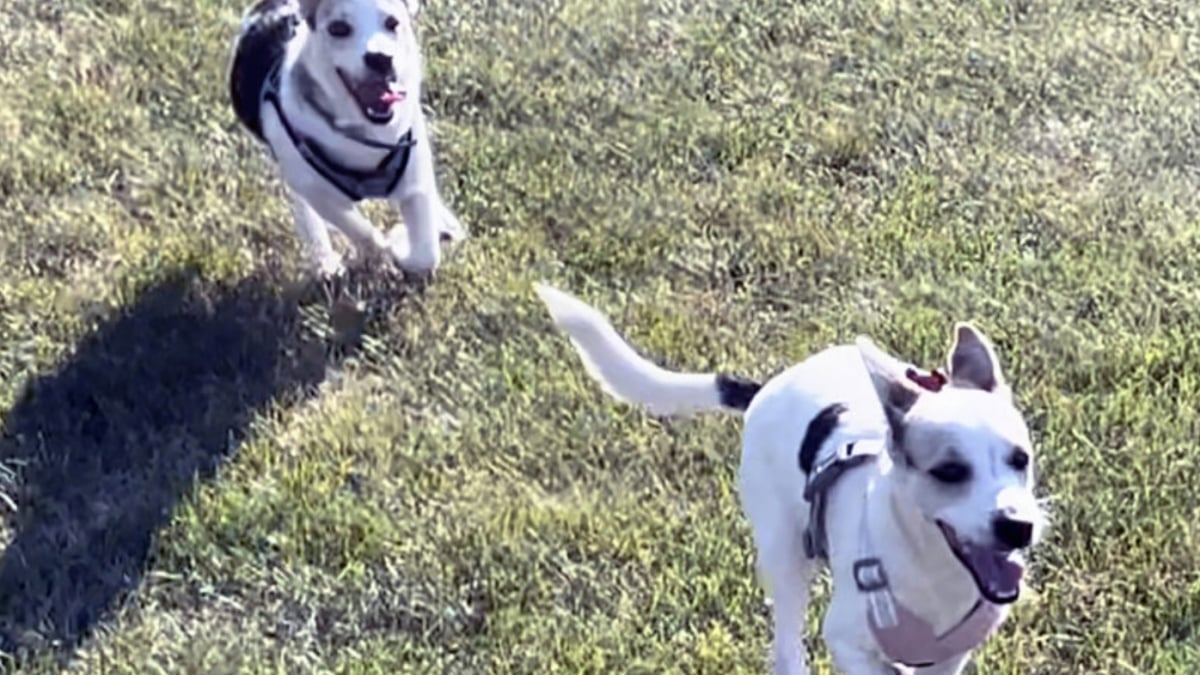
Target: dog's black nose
<point>1013,534</point>
<point>378,63</point>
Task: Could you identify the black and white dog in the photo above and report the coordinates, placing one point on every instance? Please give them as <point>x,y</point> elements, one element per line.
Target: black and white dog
<point>333,88</point>
<point>917,496</point>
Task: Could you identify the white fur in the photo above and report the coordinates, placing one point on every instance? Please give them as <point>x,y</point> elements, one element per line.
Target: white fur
<point>899,509</point>
<point>619,369</point>
<point>318,205</point>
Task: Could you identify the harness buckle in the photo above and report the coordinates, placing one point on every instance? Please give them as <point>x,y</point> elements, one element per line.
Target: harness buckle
<point>869,575</point>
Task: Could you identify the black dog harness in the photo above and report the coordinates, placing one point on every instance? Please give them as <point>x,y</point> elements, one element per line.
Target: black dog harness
<point>357,185</point>
<point>254,80</point>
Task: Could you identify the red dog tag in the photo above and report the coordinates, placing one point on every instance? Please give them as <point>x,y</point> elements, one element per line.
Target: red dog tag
<point>933,381</point>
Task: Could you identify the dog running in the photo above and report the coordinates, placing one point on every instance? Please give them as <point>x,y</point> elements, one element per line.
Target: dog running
<point>333,88</point>
<point>915,488</point>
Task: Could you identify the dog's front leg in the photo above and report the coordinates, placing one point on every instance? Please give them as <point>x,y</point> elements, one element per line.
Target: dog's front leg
<point>367,239</point>
<point>952,666</point>
<point>842,630</point>
<point>332,206</point>
<point>420,251</point>
<point>327,263</point>
<point>420,179</point>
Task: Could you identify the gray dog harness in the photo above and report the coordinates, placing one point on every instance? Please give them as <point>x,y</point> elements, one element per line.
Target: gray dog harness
<point>824,475</point>
<point>901,635</point>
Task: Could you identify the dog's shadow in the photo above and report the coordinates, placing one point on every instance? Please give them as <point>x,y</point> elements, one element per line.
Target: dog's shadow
<point>96,454</point>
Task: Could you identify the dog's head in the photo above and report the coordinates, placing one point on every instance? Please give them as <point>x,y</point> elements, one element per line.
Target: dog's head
<point>964,459</point>
<point>369,48</point>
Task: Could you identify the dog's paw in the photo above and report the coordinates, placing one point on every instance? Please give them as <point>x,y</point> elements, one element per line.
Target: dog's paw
<point>449,227</point>
<point>416,267</point>
<point>365,258</point>
<point>420,263</point>
<point>329,266</point>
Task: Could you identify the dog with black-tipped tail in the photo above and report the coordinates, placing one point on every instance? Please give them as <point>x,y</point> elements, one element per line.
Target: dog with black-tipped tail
<point>918,497</point>
<point>333,88</point>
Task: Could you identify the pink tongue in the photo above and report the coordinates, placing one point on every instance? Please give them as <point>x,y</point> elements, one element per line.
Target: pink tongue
<point>391,97</point>
<point>1001,575</point>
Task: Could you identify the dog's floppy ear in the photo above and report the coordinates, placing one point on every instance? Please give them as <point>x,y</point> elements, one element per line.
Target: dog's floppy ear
<point>897,393</point>
<point>972,360</point>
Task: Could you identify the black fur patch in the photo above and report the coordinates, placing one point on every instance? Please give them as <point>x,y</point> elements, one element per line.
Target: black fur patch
<point>736,392</point>
<point>267,29</point>
<point>819,430</point>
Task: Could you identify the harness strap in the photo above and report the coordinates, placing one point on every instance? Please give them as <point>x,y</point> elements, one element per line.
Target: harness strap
<point>825,473</point>
<point>883,613</point>
<point>355,184</point>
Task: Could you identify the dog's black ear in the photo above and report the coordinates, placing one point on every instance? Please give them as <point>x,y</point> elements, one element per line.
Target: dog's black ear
<point>972,361</point>
<point>897,393</point>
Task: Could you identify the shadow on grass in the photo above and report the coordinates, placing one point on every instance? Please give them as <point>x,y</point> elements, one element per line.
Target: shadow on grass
<point>105,446</point>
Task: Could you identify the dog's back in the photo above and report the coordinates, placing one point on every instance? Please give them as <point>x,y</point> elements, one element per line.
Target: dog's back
<point>267,28</point>
<point>824,401</point>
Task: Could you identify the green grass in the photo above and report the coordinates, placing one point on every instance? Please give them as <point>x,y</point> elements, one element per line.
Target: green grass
<point>210,466</point>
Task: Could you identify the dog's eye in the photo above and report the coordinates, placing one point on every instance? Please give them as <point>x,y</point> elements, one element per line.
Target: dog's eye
<point>1019,459</point>
<point>391,23</point>
<point>951,472</point>
<point>339,29</point>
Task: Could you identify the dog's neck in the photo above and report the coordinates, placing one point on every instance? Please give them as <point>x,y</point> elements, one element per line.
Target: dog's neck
<point>925,576</point>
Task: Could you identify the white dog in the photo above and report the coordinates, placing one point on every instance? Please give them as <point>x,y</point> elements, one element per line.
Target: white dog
<point>919,498</point>
<point>333,88</point>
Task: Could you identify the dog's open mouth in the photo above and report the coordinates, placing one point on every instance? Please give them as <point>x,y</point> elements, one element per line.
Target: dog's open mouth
<point>997,572</point>
<point>376,96</point>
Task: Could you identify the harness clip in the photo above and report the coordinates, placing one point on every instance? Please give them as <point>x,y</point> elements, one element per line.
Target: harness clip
<point>869,575</point>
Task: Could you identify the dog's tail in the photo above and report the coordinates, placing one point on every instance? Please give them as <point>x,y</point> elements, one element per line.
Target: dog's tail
<point>627,376</point>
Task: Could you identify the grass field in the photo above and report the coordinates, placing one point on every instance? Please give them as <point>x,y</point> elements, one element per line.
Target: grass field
<point>210,465</point>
